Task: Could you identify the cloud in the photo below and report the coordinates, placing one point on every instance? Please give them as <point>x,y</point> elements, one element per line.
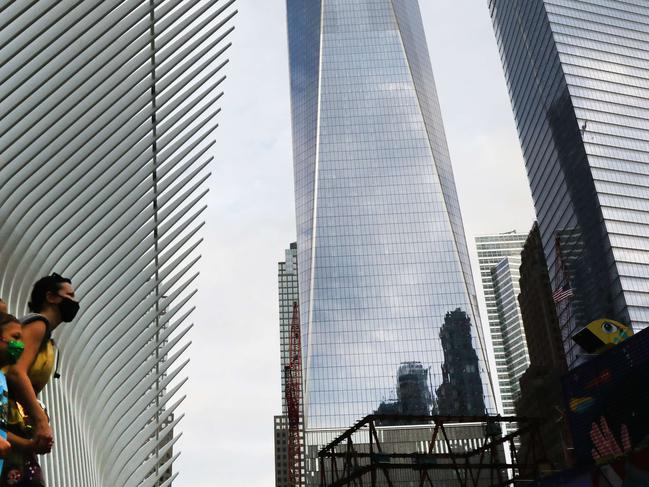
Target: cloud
<point>234,387</point>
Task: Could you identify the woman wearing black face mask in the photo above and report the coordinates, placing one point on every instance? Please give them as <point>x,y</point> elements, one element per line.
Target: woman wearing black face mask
<point>52,302</point>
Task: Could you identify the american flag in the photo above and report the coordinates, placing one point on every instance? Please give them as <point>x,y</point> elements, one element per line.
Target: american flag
<point>562,293</point>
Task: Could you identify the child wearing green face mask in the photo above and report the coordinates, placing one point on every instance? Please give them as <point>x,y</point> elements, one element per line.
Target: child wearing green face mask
<point>10,349</point>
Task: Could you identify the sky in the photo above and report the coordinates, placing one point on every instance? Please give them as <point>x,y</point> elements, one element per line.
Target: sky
<point>233,390</point>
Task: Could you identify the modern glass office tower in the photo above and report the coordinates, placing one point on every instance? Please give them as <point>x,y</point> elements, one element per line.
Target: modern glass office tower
<point>287,283</point>
<point>578,76</point>
<point>288,295</point>
<point>381,248</point>
<point>107,111</point>
<point>499,258</point>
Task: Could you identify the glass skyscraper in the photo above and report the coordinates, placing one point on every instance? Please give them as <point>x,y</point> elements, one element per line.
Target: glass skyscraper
<point>288,295</point>
<point>499,258</point>
<point>287,284</point>
<point>382,254</point>
<point>578,76</point>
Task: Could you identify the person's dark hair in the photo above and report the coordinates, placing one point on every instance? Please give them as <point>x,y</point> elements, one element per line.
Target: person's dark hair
<point>6,318</point>
<point>44,285</point>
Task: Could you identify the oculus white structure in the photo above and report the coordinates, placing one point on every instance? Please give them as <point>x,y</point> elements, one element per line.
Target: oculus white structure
<point>107,109</point>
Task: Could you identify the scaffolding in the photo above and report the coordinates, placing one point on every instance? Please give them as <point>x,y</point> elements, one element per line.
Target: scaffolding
<point>364,456</point>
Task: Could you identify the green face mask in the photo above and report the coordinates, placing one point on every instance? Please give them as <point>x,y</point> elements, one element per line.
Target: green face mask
<point>14,350</point>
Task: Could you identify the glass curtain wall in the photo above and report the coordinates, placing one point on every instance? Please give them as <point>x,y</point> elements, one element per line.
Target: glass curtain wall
<point>578,76</point>
<point>382,255</point>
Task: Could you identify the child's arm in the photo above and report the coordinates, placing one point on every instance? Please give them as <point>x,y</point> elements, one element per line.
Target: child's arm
<point>5,447</point>
<point>19,443</point>
<point>22,389</point>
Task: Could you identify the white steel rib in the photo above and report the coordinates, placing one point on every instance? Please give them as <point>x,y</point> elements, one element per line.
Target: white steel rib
<point>105,137</point>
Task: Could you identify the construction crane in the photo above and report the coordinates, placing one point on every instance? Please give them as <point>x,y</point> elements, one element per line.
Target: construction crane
<point>293,392</point>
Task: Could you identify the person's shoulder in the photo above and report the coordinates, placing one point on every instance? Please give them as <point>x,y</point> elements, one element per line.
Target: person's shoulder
<point>33,318</point>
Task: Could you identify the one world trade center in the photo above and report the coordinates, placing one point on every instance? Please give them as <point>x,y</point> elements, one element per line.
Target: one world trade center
<point>385,284</point>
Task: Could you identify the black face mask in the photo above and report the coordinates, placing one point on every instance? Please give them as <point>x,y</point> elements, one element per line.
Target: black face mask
<point>68,309</point>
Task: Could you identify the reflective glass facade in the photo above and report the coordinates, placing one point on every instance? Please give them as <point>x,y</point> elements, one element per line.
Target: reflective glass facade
<point>578,75</point>
<point>381,249</point>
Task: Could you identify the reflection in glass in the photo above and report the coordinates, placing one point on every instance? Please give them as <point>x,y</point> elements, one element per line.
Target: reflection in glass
<point>382,255</point>
<point>414,396</point>
<point>461,390</point>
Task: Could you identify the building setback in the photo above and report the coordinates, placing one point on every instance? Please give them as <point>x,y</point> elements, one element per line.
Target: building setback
<point>499,258</point>
<point>578,77</point>
<point>381,248</point>
<point>103,170</point>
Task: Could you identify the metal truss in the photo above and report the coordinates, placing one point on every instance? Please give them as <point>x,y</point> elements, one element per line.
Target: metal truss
<point>358,457</point>
<point>107,111</point>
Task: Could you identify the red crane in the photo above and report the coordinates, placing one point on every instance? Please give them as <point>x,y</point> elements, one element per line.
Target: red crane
<point>293,392</point>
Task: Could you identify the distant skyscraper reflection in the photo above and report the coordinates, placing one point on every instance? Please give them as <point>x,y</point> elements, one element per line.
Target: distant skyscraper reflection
<point>414,396</point>
<point>382,255</point>
<point>461,390</point>
<point>413,390</point>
